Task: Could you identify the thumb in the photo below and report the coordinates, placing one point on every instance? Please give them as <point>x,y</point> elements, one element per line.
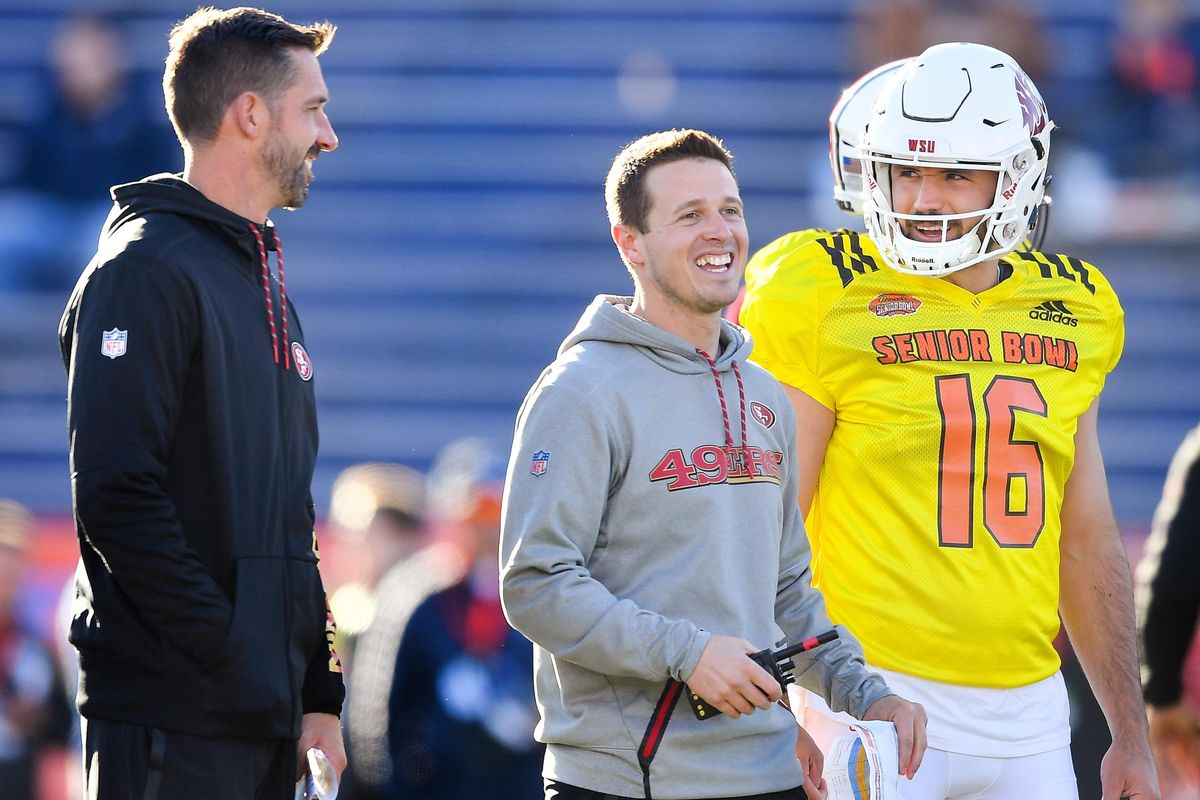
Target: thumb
<point>810,787</point>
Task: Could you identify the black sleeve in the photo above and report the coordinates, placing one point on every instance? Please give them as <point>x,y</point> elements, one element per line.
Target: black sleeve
<point>1168,579</point>
<point>122,410</point>
<point>324,689</point>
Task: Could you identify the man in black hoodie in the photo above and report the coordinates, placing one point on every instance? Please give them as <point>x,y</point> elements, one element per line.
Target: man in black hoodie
<point>204,639</point>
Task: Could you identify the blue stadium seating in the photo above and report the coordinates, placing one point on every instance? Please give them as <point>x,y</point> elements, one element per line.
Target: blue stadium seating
<point>452,240</point>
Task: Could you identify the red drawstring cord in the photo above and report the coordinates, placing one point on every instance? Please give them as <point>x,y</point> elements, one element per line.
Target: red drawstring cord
<point>266,281</point>
<point>737,373</point>
<point>712,365</point>
<point>284,310</point>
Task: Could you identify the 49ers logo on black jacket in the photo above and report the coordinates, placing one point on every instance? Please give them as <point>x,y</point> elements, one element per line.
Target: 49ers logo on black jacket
<point>711,463</point>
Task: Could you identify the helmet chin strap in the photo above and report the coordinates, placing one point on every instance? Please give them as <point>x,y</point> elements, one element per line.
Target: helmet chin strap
<point>942,253</point>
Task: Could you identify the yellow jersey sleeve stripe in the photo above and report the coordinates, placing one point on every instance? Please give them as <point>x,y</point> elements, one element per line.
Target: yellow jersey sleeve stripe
<point>847,256</point>
<point>1060,266</point>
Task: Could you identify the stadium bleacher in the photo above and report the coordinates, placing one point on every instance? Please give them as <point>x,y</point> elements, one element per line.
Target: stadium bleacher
<point>452,240</point>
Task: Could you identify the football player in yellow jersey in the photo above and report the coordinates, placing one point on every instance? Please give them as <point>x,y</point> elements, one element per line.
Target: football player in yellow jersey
<point>946,387</point>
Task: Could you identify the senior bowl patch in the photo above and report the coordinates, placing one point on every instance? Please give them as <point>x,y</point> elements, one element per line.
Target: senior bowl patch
<point>539,463</point>
<point>894,305</point>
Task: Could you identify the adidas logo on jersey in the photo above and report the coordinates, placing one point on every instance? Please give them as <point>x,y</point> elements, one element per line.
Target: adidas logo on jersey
<point>1054,311</point>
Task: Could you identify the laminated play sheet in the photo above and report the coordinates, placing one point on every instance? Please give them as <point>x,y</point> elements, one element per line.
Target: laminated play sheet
<point>864,764</point>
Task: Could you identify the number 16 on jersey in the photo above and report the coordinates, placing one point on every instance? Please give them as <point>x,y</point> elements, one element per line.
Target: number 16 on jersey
<point>1012,487</point>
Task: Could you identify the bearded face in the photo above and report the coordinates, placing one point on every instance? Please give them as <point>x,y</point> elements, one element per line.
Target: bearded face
<point>289,166</point>
<point>299,131</point>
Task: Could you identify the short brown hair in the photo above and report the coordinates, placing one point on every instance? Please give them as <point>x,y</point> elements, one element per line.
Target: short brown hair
<point>215,55</point>
<point>624,189</point>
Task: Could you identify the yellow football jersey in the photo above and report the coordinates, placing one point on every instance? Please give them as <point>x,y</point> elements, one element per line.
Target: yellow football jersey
<point>760,265</point>
<point>936,520</point>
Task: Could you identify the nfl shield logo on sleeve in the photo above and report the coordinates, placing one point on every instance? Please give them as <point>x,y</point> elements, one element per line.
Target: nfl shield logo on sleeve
<point>113,343</point>
<point>540,463</point>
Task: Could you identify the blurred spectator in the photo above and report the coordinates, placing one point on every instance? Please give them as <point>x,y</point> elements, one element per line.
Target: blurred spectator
<point>1155,64</point>
<point>32,711</point>
<point>377,511</point>
<point>1168,606</point>
<point>67,658</point>
<point>460,708</point>
<point>96,131</point>
<point>885,30</point>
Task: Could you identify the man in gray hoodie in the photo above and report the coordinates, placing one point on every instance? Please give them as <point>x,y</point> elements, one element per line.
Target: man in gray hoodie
<point>651,536</point>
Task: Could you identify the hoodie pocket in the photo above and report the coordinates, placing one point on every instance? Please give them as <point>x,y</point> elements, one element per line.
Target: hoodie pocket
<point>251,683</point>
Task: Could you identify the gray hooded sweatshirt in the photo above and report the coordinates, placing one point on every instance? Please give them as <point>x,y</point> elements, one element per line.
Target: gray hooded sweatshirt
<point>650,503</point>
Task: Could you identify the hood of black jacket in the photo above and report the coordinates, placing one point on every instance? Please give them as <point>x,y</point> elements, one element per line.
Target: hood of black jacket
<point>171,194</point>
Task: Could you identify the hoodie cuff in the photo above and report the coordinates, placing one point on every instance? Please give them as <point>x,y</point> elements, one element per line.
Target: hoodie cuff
<point>873,689</point>
<point>685,668</point>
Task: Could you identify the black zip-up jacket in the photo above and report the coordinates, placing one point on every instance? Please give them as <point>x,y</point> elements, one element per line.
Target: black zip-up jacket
<point>1168,579</point>
<point>193,436</point>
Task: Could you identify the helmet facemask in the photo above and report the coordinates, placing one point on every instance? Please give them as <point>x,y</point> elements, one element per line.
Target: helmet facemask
<point>965,107</point>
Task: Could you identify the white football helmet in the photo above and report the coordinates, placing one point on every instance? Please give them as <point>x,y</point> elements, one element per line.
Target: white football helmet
<point>957,105</point>
<point>847,122</point>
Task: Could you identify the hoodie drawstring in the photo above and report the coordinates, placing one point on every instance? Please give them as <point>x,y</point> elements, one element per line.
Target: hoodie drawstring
<point>266,281</point>
<point>737,373</point>
<point>283,302</point>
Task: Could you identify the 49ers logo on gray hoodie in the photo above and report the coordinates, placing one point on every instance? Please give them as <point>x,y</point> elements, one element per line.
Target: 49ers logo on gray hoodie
<point>711,463</point>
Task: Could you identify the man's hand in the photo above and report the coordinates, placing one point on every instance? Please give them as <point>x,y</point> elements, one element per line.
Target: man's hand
<point>909,719</point>
<point>1175,741</point>
<point>729,680</point>
<point>325,732</point>
<point>815,787</point>
<point>1127,770</point>
<point>812,761</point>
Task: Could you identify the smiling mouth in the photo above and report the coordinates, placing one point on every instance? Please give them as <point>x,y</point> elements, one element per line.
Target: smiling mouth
<point>929,232</point>
<point>717,263</point>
